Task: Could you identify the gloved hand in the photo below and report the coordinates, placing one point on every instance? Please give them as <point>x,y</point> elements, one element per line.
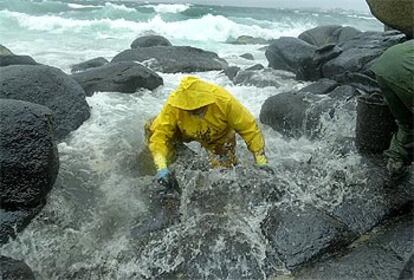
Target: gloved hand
<point>262,163</point>
<point>167,179</point>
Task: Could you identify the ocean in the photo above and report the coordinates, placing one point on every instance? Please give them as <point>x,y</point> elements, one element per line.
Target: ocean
<point>84,228</point>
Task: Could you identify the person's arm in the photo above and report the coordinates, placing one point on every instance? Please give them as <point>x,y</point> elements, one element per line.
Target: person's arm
<point>243,122</point>
<point>164,127</point>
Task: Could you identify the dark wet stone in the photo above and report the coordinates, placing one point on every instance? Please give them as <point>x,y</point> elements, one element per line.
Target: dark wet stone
<point>6,60</point>
<point>247,40</point>
<point>125,77</point>
<point>326,53</point>
<point>343,92</point>
<point>382,256</point>
<point>14,221</point>
<point>150,41</point>
<point>360,81</point>
<point>5,51</point>
<point>231,71</point>
<point>299,235</point>
<point>262,78</point>
<point>322,86</point>
<point>174,59</point>
<point>248,56</point>
<point>92,63</point>
<point>255,67</point>
<point>408,271</point>
<point>11,269</point>
<point>50,87</point>
<point>29,159</point>
<point>287,53</point>
<point>327,34</point>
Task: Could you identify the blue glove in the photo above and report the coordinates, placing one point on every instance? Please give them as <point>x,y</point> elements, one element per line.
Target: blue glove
<point>167,179</point>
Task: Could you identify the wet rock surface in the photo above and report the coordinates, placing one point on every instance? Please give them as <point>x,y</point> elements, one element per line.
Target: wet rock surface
<point>231,71</point>
<point>29,159</point>
<point>322,86</point>
<point>150,41</point>
<point>11,269</point>
<point>174,59</point>
<point>247,40</point>
<point>92,63</point>
<point>328,34</point>
<point>125,77</point>
<point>50,87</point>
<point>247,56</point>
<point>260,78</point>
<point>6,60</point>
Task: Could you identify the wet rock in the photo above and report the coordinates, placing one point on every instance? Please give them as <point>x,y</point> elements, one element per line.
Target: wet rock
<point>11,269</point>
<point>14,221</point>
<point>255,67</point>
<point>247,40</point>
<point>328,34</point>
<point>298,235</point>
<point>262,78</point>
<point>287,53</point>
<point>382,256</point>
<point>5,51</point>
<point>92,63</point>
<point>6,60</point>
<point>343,92</point>
<point>359,81</point>
<point>231,71</point>
<point>174,59</point>
<point>359,51</point>
<point>125,77</point>
<point>397,14</point>
<point>50,87</point>
<point>248,56</point>
<point>29,160</point>
<point>296,114</point>
<point>322,86</point>
<point>150,41</point>
<point>408,271</point>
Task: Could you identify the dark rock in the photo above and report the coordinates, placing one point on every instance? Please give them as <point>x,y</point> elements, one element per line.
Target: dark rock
<point>124,76</point>
<point>328,34</point>
<point>255,67</point>
<point>382,256</point>
<point>231,71</point>
<point>298,235</point>
<point>247,40</point>
<point>397,14</point>
<point>92,63</point>
<point>323,86</point>
<point>408,271</point>
<point>5,51</point>
<point>296,114</point>
<point>248,56</point>
<point>150,41</point>
<point>343,92</point>
<point>11,269</point>
<point>174,59</point>
<point>287,53</point>
<point>360,81</point>
<point>261,78</point>
<point>359,51</point>
<point>326,53</point>
<point>29,158</point>
<point>50,87</point>
<point>14,221</point>
<point>6,60</point>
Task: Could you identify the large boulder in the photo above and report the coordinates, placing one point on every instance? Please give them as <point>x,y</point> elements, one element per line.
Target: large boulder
<point>322,86</point>
<point>231,72</point>
<point>29,159</point>
<point>6,60</point>
<point>150,41</point>
<point>174,59</point>
<point>50,87</point>
<point>328,34</point>
<point>261,78</point>
<point>5,51</point>
<point>287,53</point>
<point>92,63</point>
<point>247,40</point>
<point>11,269</point>
<point>120,77</point>
<point>398,14</point>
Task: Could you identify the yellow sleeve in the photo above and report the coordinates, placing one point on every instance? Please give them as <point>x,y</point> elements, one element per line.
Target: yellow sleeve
<point>243,122</point>
<point>163,129</point>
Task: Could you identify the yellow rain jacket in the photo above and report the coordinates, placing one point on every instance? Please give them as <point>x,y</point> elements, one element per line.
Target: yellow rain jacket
<point>223,117</point>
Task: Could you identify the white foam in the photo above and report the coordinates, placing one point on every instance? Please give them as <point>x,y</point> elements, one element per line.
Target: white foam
<point>119,7</point>
<point>169,8</point>
<point>79,6</point>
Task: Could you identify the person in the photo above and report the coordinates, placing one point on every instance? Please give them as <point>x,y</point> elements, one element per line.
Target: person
<point>394,71</point>
<point>206,113</point>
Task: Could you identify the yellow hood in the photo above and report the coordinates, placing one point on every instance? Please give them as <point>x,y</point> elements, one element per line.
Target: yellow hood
<point>191,94</point>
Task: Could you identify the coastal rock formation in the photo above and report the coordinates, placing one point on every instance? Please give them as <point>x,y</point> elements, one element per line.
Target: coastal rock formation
<point>6,60</point>
<point>328,34</point>
<point>124,76</point>
<point>174,59</point>
<point>50,87</point>
<point>231,71</point>
<point>5,51</point>
<point>11,269</point>
<point>150,41</point>
<point>261,78</point>
<point>92,63</point>
<point>247,56</point>
<point>247,40</point>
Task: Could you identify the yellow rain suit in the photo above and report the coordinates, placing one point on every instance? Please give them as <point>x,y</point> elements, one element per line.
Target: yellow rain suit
<point>214,130</point>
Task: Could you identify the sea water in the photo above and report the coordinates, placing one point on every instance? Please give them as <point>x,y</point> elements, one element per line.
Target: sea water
<point>98,194</point>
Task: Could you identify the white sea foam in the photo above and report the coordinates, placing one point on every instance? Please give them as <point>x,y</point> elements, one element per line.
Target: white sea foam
<point>119,7</point>
<point>169,8</point>
<point>79,6</point>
